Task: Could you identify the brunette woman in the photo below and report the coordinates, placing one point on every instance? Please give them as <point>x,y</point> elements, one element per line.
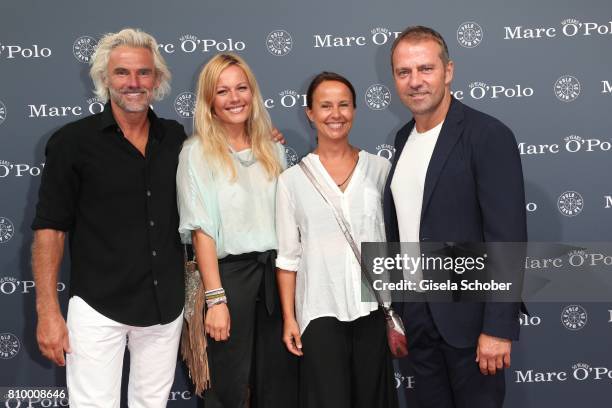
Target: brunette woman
<point>341,339</point>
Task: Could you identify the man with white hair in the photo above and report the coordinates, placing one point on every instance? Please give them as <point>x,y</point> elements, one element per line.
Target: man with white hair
<point>109,182</point>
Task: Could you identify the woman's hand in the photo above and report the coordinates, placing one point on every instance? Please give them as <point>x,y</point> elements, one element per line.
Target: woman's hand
<point>292,337</point>
<point>277,136</point>
<point>217,322</point>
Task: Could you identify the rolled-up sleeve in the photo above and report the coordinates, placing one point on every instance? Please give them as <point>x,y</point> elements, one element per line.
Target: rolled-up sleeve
<point>196,199</point>
<point>59,186</point>
<point>282,155</point>
<point>287,231</point>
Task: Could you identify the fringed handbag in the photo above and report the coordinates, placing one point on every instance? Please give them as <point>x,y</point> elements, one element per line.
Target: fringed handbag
<point>193,338</point>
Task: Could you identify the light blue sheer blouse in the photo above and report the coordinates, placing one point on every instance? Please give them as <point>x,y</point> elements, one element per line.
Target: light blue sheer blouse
<point>239,215</point>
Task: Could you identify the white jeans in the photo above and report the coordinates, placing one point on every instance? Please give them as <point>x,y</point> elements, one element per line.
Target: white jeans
<point>94,367</point>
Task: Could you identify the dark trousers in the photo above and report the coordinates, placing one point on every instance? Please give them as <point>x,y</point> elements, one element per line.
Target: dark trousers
<point>446,376</point>
<point>347,364</point>
<point>253,368</point>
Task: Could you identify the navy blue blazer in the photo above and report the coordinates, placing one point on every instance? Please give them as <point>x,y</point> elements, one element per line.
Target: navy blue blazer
<point>473,192</point>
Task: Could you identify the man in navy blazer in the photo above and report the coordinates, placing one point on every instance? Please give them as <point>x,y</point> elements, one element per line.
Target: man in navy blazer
<point>456,176</point>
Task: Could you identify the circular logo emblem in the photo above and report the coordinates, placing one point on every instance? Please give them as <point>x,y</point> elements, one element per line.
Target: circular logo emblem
<point>83,48</point>
<point>184,104</point>
<point>574,317</point>
<point>292,157</point>
<point>567,88</point>
<point>2,112</point>
<point>7,230</point>
<point>9,345</point>
<point>385,150</point>
<point>570,203</point>
<point>469,34</point>
<point>279,43</point>
<point>378,97</point>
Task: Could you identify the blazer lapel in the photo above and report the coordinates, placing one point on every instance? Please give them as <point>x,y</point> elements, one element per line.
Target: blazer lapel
<point>449,135</point>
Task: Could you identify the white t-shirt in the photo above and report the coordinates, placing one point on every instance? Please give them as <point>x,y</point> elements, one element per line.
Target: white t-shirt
<point>408,182</point>
<point>328,281</point>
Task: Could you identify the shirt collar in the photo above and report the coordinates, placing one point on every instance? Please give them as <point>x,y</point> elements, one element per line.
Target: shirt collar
<point>107,120</point>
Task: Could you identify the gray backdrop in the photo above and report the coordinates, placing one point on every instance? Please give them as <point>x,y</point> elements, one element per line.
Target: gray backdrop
<point>541,67</point>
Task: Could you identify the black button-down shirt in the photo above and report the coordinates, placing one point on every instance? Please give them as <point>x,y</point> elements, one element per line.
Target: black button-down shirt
<point>119,208</point>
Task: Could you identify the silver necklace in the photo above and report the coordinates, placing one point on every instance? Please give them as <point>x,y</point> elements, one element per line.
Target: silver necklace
<point>244,163</point>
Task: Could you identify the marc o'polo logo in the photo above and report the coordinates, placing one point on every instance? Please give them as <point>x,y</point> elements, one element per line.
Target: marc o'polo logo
<point>287,98</point>
<point>92,105</point>
<point>19,170</point>
<point>572,144</point>
<point>469,34</point>
<point>9,346</point>
<point>184,104</point>
<point>83,48</point>
<point>377,36</point>
<point>10,286</point>
<point>570,27</point>
<point>578,372</point>
<point>574,317</point>
<point>570,203</point>
<point>378,97</point>
<point>567,88</point>
<point>190,43</point>
<point>2,112</point>
<point>18,51</point>
<point>7,230</point>
<point>279,43</point>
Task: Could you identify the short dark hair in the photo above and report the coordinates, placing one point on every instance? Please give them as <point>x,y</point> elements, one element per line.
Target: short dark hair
<point>328,76</point>
<point>420,33</point>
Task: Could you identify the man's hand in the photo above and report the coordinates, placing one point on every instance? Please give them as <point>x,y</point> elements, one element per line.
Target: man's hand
<point>52,336</point>
<point>217,322</point>
<point>51,330</point>
<point>492,353</point>
<point>292,338</point>
<point>277,136</point>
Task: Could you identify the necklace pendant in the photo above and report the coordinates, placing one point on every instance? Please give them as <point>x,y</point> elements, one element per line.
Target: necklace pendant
<point>251,160</point>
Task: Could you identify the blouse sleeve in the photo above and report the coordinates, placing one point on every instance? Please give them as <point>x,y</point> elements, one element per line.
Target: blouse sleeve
<point>196,195</point>
<point>282,156</point>
<point>289,245</point>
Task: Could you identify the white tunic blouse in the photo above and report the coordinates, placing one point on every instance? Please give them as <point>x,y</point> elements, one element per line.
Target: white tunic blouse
<point>328,281</point>
<point>238,215</point>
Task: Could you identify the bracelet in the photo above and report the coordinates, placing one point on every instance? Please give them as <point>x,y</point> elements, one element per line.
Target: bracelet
<point>214,292</point>
<point>217,301</point>
<point>215,297</point>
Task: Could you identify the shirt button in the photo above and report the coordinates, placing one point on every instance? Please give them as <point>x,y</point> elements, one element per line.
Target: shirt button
<point>151,223</point>
<point>155,282</point>
<point>154,253</point>
<point>148,193</point>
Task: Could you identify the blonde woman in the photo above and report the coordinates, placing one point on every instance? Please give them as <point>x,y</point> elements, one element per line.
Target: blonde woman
<point>226,183</point>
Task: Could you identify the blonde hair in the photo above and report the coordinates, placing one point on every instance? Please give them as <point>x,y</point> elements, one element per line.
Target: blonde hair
<point>132,38</point>
<point>211,131</point>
